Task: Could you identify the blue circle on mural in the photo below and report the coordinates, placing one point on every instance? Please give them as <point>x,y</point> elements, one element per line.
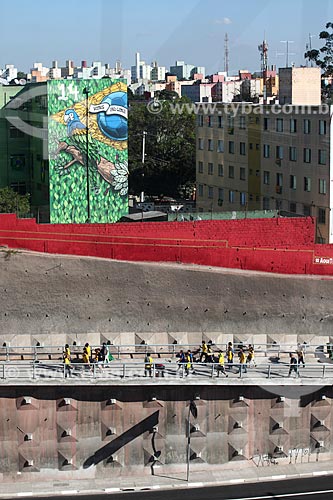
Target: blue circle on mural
<point>113,122</point>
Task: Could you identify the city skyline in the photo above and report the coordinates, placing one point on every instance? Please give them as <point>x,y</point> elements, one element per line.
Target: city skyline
<point>192,31</point>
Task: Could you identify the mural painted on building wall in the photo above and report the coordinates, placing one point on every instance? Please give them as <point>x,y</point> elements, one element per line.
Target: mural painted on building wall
<point>88,150</point>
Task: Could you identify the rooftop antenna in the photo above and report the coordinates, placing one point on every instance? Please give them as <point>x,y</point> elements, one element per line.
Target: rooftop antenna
<point>310,46</point>
<point>287,42</point>
<point>226,54</point>
<point>263,49</point>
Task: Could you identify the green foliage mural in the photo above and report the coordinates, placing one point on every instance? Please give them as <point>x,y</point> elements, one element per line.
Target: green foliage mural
<point>88,150</point>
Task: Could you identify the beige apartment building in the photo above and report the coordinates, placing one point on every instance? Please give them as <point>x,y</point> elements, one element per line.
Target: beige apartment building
<point>259,157</point>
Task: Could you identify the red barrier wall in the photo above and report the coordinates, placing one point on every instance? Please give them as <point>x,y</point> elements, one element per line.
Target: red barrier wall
<point>272,245</point>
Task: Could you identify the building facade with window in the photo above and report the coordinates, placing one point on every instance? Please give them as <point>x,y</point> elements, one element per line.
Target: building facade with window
<point>266,157</point>
<point>23,167</point>
<point>49,137</point>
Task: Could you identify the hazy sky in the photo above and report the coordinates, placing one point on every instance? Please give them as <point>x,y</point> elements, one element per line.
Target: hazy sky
<point>190,30</point>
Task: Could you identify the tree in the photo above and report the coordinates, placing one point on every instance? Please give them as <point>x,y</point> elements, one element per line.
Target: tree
<point>324,56</point>
<point>21,75</point>
<point>12,202</point>
<point>169,146</point>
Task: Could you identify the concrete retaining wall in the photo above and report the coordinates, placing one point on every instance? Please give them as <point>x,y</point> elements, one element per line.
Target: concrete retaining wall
<point>58,299</point>
<point>94,432</point>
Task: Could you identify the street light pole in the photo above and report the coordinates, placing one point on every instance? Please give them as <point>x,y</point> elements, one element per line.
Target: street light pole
<point>142,195</point>
<point>86,92</point>
<point>191,409</point>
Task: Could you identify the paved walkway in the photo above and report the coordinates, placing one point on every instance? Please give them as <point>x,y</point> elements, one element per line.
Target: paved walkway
<point>166,371</point>
<point>234,474</point>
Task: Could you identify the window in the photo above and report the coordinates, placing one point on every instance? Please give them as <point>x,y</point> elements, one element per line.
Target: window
<point>251,145</point>
<point>221,196</point>
<point>307,210</point>
<point>200,143</point>
<point>210,168</point>
<point>322,127</point>
<point>230,124</point>
<point>220,146</point>
<point>307,155</point>
<point>321,215</point>
<point>279,180</point>
<point>322,156</point>
<point>266,177</point>
<point>266,123</point>
<point>220,121</point>
<point>292,183</point>
<point>307,184</point>
<point>292,153</point>
<point>279,124</point>
<point>220,170</point>
<point>200,120</point>
<point>231,196</point>
<point>231,147</point>
<point>200,190</point>
<point>242,122</point>
<point>200,167</point>
<point>292,207</point>
<point>278,204</point>
<point>306,126</point>
<point>257,147</point>
<point>209,121</point>
<point>210,145</point>
<point>17,162</point>
<point>210,192</point>
<point>293,125</point>
<point>265,203</point>
<point>242,198</point>
<point>266,150</point>
<point>322,186</point>
<point>15,133</point>
<point>279,152</point>
<point>242,148</point>
<point>19,187</point>
<point>242,173</point>
<point>231,172</point>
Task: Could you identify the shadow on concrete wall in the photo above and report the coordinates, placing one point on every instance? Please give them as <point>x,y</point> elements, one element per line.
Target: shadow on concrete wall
<point>108,450</point>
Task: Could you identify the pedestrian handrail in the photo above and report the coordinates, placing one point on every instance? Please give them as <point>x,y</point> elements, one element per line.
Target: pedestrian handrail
<point>134,370</point>
<point>36,352</point>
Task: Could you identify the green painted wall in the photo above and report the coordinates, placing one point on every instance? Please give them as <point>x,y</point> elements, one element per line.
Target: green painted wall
<point>87,139</point>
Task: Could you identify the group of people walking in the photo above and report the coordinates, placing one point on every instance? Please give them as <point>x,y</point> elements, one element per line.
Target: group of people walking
<point>100,355</point>
<point>207,355</point>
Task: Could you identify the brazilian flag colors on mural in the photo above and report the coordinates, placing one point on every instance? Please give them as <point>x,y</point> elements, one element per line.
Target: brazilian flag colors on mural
<point>88,150</point>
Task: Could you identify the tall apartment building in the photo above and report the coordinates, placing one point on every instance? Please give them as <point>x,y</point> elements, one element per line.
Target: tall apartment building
<point>266,157</point>
<point>300,86</point>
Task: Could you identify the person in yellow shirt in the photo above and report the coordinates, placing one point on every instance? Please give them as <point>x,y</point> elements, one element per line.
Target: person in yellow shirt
<point>230,354</point>
<point>86,359</point>
<point>220,366</point>
<point>203,353</point>
<point>250,356</point>
<point>188,363</point>
<point>88,348</point>
<point>67,351</point>
<point>148,365</point>
<point>242,361</point>
<point>67,363</point>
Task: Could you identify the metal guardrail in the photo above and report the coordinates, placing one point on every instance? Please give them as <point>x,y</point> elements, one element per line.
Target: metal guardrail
<point>45,352</point>
<point>134,370</point>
